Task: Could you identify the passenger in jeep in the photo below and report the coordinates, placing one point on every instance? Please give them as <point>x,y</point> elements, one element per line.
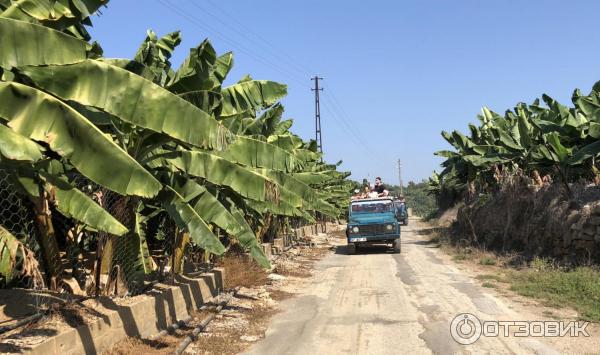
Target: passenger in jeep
<point>380,188</point>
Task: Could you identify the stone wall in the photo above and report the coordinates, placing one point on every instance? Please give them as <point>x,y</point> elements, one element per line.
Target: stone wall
<point>543,222</point>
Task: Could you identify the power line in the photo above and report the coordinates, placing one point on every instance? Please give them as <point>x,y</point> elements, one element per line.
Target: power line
<point>247,33</point>
<point>346,122</point>
<point>196,22</point>
<point>336,110</point>
<point>345,126</point>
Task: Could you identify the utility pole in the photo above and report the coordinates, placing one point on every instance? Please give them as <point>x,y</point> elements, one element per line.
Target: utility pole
<point>400,175</point>
<point>318,137</point>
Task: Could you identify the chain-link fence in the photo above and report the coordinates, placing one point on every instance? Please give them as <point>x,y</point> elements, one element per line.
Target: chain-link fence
<point>17,217</point>
<point>92,263</point>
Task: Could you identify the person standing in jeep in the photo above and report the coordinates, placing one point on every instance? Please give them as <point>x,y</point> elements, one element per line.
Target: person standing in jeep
<point>380,188</point>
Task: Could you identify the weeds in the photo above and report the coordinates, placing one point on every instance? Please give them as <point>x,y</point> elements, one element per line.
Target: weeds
<point>496,278</point>
<point>542,278</point>
<point>242,271</point>
<point>579,288</point>
<point>486,260</point>
<point>459,257</point>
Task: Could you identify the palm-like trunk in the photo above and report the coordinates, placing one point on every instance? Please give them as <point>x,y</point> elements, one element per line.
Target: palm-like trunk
<point>50,251</point>
<point>182,239</point>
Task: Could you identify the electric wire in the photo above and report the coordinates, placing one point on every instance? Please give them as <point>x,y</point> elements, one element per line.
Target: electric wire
<point>336,110</point>
<point>198,23</point>
<point>248,34</point>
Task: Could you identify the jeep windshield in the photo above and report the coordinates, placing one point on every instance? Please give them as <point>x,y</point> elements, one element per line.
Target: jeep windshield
<point>372,206</point>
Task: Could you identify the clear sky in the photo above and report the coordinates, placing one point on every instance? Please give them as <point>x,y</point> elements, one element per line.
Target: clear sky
<point>395,73</point>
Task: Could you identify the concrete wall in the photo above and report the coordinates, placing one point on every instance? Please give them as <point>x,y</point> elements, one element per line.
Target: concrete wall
<point>285,241</point>
<point>146,315</point>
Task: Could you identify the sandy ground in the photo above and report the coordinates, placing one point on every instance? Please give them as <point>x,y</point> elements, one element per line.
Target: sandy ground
<point>377,302</point>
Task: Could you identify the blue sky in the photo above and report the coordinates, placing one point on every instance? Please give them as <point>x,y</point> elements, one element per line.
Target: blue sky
<point>395,73</point>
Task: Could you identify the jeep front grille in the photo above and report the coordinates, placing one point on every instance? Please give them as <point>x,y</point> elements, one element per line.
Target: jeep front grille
<point>371,229</point>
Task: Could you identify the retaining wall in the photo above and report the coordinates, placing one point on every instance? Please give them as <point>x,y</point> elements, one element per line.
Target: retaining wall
<point>286,241</point>
<point>145,316</point>
<point>540,222</point>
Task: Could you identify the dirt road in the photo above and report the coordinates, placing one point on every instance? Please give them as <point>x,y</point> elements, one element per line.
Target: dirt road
<point>377,302</point>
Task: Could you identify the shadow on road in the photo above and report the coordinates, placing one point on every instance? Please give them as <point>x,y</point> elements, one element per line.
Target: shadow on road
<point>426,243</point>
<point>368,249</point>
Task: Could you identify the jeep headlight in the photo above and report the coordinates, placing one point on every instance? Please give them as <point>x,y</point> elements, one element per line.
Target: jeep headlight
<point>389,227</point>
<point>354,229</point>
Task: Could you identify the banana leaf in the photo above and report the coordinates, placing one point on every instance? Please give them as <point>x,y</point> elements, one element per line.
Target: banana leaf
<point>223,65</point>
<point>73,203</point>
<point>17,147</point>
<point>251,96</point>
<point>586,152</point>
<point>206,100</point>
<point>11,252</point>
<point>233,223</point>
<point>39,116</point>
<point>187,219</point>
<point>132,99</point>
<point>258,154</point>
<point>311,178</point>
<point>66,15</point>
<point>210,209</point>
<point>196,71</point>
<point>25,43</point>
<point>222,172</point>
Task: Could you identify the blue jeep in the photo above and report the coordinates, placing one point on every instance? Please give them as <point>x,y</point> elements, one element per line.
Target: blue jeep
<point>373,221</point>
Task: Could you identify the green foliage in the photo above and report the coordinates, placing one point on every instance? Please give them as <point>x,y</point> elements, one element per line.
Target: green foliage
<point>546,141</point>
<point>417,197</point>
<point>177,147</point>
<point>487,261</point>
<point>579,288</point>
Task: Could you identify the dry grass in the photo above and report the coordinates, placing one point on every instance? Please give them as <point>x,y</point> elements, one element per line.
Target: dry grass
<point>136,346</point>
<point>293,270</point>
<point>279,295</point>
<point>242,271</point>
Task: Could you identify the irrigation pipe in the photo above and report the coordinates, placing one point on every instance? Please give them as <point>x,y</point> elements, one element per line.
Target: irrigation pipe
<point>190,338</point>
<point>171,328</point>
<point>21,322</point>
<point>34,317</point>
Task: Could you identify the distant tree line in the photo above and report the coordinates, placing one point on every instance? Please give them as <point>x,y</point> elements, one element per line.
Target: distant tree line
<point>415,193</point>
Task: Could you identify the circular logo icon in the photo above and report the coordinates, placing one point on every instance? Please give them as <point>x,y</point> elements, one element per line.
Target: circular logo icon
<point>465,328</point>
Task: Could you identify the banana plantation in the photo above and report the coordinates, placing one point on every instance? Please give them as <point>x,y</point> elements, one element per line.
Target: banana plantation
<point>545,141</point>
<point>123,169</point>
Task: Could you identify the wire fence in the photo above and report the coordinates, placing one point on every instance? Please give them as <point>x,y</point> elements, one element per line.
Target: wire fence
<point>95,263</point>
<point>92,263</point>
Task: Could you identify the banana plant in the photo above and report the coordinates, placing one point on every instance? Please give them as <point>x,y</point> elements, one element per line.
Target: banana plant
<point>166,142</point>
<point>543,136</point>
